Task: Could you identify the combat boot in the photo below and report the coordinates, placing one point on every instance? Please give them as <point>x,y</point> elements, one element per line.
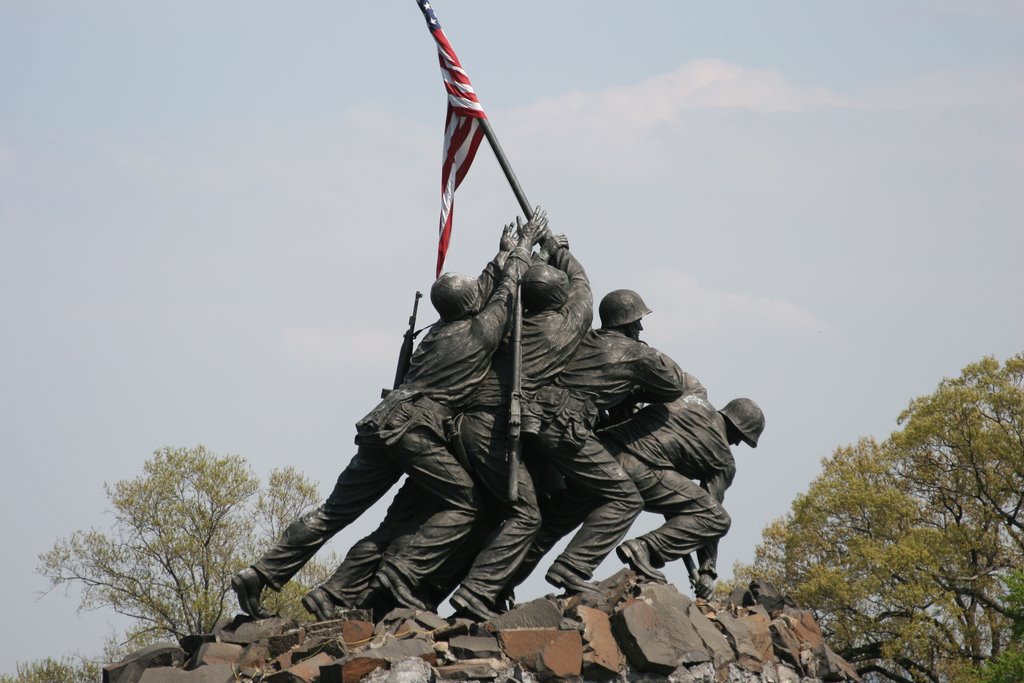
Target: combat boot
<point>636,554</point>
<point>248,586</point>
<point>469,605</point>
<point>403,594</point>
<point>569,581</point>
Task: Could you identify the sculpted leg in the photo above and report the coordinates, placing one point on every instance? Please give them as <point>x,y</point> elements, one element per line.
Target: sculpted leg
<point>366,478</point>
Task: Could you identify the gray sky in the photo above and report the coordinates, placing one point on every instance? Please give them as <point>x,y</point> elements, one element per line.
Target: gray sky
<point>214,216</point>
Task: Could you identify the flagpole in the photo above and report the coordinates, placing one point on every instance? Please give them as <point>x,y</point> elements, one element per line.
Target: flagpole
<point>517,189</point>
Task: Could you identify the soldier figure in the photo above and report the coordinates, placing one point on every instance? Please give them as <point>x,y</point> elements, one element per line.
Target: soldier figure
<point>611,368</point>
<point>663,448</point>
<point>558,310</point>
<point>405,433</point>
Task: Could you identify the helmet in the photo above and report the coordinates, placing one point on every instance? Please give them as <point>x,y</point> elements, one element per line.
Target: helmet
<point>454,296</point>
<point>746,417</point>
<point>544,288</point>
<point>621,307</point>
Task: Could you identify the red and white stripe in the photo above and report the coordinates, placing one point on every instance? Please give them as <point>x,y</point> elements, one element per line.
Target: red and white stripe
<point>462,136</point>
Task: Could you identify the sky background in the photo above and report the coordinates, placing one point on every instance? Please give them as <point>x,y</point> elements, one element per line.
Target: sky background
<point>213,217</point>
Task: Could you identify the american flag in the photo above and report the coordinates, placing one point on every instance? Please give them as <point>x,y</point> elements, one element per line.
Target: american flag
<point>462,129</point>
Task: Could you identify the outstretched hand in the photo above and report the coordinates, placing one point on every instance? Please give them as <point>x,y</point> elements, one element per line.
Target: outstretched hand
<point>508,238</point>
<point>558,242</point>
<point>534,230</point>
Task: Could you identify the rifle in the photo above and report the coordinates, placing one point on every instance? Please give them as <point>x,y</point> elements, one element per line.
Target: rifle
<point>515,406</point>
<point>691,569</point>
<point>405,355</point>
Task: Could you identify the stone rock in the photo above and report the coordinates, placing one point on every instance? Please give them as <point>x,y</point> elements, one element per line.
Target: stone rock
<point>782,672</point>
<point>843,670</point>
<point>787,645</point>
<point>341,615</point>
<point>458,626</point>
<point>356,633</point>
<point>254,656</point>
<point>412,670</point>
<point>215,653</point>
<point>216,673</point>
<point>550,653</point>
<point>305,671</point>
<point>826,664</point>
<point>749,636</point>
<point>721,652</point>
<point>515,673</point>
<point>129,669</point>
<point>613,590</point>
<point>243,629</point>
<point>768,596</point>
<point>191,643</point>
<point>328,645</point>
<point>282,661</point>
<point>702,673</point>
<point>407,621</point>
<point>281,643</point>
<point>471,670</point>
<point>804,626</point>
<point>741,597</point>
<point>655,631</point>
<point>355,666</point>
<point>737,675</point>
<point>602,658</point>
<point>539,613</point>
<point>474,647</point>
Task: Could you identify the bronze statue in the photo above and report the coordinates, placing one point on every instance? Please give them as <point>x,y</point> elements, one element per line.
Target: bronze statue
<point>611,367</point>
<point>406,433</point>
<point>663,448</point>
<point>558,309</point>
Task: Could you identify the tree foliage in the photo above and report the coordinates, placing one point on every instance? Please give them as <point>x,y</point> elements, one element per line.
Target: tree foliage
<point>906,547</point>
<point>180,530</point>
<point>49,670</point>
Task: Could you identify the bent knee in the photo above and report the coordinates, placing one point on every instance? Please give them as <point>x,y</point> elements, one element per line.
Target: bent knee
<point>529,518</point>
<point>634,502</point>
<point>722,520</point>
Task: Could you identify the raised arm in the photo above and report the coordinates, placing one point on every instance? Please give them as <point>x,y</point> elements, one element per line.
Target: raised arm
<point>490,324</point>
<point>492,271</point>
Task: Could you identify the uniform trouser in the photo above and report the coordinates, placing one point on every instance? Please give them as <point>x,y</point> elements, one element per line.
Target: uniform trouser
<point>407,512</point>
<point>485,438</point>
<point>600,495</point>
<point>693,517</point>
<point>422,455</point>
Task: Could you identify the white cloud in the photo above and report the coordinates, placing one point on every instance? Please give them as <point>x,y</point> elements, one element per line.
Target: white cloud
<point>698,84</point>
<point>693,309</point>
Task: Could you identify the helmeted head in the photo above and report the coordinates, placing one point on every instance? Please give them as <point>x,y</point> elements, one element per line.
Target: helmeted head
<point>621,307</point>
<point>746,418</point>
<point>454,296</point>
<point>545,288</point>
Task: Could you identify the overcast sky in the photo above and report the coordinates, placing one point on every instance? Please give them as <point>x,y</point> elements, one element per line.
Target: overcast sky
<point>213,218</point>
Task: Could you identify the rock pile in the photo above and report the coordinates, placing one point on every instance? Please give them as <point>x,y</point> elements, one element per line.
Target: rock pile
<point>631,631</point>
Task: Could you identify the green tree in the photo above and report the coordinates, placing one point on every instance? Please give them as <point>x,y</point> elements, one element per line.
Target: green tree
<point>1008,665</point>
<point>180,530</point>
<point>49,670</point>
<point>905,547</point>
